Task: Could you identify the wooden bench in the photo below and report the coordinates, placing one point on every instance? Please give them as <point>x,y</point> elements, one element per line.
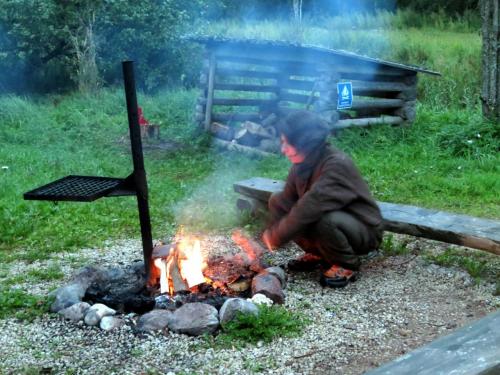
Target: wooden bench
<point>442,226</point>
<point>471,350</point>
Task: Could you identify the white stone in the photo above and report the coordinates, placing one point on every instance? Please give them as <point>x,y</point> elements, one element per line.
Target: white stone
<point>260,299</point>
<point>109,323</point>
<point>96,312</point>
<point>75,312</point>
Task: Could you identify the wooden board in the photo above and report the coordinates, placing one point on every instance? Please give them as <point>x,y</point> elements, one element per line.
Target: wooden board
<point>463,230</point>
<point>472,350</point>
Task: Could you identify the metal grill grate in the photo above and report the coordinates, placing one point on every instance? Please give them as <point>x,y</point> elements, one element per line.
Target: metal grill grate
<point>75,188</point>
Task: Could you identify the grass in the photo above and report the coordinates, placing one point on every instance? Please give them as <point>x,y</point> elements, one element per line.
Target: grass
<point>270,323</point>
<point>22,305</point>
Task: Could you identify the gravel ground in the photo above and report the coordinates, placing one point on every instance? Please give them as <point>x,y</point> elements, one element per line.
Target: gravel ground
<point>397,304</point>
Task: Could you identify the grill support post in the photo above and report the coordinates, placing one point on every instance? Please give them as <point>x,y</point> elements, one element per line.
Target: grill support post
<point>139,173</point>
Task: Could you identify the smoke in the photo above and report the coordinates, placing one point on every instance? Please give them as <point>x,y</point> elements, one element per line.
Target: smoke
<point>211,206</point>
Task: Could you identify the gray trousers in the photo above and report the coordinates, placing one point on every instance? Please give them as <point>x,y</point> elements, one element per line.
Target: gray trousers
<point>338,237</point>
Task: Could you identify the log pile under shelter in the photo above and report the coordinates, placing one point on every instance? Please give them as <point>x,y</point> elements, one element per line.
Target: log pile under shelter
<point>249,85</point>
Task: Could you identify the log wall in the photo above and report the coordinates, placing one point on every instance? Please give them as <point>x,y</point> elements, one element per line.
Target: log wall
<point>240,84</point>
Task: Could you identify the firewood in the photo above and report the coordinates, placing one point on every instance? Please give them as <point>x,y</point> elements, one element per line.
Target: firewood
<point>222,131</point>
<point>244,137</point>
<point>256,129</point>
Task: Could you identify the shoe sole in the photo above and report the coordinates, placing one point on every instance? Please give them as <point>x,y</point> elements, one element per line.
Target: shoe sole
<point>329,282</point>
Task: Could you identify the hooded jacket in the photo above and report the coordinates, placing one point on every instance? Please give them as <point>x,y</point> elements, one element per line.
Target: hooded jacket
<point>326,181</point>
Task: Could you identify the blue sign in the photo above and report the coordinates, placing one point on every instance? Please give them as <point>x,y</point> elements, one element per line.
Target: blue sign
<point>344,95</point>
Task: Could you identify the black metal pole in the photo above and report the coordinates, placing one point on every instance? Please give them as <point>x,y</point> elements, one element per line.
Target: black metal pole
<point>139,173</point>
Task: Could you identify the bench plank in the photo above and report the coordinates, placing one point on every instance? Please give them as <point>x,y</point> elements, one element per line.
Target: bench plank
<point>470,350</point>
<point>463,230</point>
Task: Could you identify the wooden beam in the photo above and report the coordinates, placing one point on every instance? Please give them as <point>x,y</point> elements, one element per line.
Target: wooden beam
<point>245,102</point>
<point>224,117</point>
<point>246,87</point>
<point>230,72</point>
<point>377,103</point>
<point>389,120</point>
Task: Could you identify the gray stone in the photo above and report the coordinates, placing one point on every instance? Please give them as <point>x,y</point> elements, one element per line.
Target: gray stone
<point>109,323</point>
<point>74,291</point>
<point>86,275</point>
<point>154,320</point>
<point>75,312</point>
<point>279,273</point>
<point>96,312</point>
<point>233,306</point>
<point>67,296</point>
<point>194,319</point>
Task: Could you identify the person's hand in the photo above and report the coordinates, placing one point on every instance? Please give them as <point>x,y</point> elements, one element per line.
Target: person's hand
<point>266,238</point>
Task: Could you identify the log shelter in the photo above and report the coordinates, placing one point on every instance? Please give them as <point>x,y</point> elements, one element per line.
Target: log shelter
<point>249,80</point>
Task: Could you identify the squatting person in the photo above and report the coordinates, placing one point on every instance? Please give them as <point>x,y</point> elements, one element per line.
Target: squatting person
<point>326,207</point>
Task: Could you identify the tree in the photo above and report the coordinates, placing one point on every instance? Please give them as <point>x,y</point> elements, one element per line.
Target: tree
<point>490,14</point>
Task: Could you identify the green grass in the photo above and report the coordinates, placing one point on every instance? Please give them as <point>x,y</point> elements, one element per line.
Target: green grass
<point>392,247</point>
<point>439,162</point>
<point>22,305</point>
<point>271,322</point>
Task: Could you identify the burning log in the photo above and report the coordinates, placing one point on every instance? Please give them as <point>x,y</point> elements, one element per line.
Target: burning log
<point>180,266</point>
<point>252,249</point>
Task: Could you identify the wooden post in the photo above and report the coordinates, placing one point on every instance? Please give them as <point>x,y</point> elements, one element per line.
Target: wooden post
<point>210,90</point>
<point>490,96</point>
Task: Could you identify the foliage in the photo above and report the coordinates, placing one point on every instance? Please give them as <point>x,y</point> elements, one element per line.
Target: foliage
<point>48,38</point>
<point>270,323</point>
<point>22,305</point>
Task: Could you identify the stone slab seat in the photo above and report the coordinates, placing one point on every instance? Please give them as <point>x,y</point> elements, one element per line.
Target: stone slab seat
<point>472,350</point>
<point>463,230</point>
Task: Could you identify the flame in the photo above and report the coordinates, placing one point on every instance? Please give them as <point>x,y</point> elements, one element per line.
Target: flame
<point>189,260</point>
<point>192,264</point>
<point>160,263</point>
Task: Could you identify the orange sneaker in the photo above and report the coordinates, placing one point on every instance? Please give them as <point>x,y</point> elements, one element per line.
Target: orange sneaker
<point>337,277</point>
<point>306,262</point>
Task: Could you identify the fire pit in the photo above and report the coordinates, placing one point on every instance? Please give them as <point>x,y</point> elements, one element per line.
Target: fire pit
<point>185,274</point>
<point>190,280</point>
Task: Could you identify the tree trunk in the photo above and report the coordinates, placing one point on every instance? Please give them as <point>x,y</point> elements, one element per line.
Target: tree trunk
<point>491,59</point>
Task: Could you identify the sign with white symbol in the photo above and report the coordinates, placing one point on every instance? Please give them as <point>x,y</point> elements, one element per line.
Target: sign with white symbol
<point>344,95</point>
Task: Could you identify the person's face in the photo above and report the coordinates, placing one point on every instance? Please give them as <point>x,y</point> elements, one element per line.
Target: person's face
<point>291,152</point>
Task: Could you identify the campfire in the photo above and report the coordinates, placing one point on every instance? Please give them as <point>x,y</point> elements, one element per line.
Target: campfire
<point>182,267</point>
